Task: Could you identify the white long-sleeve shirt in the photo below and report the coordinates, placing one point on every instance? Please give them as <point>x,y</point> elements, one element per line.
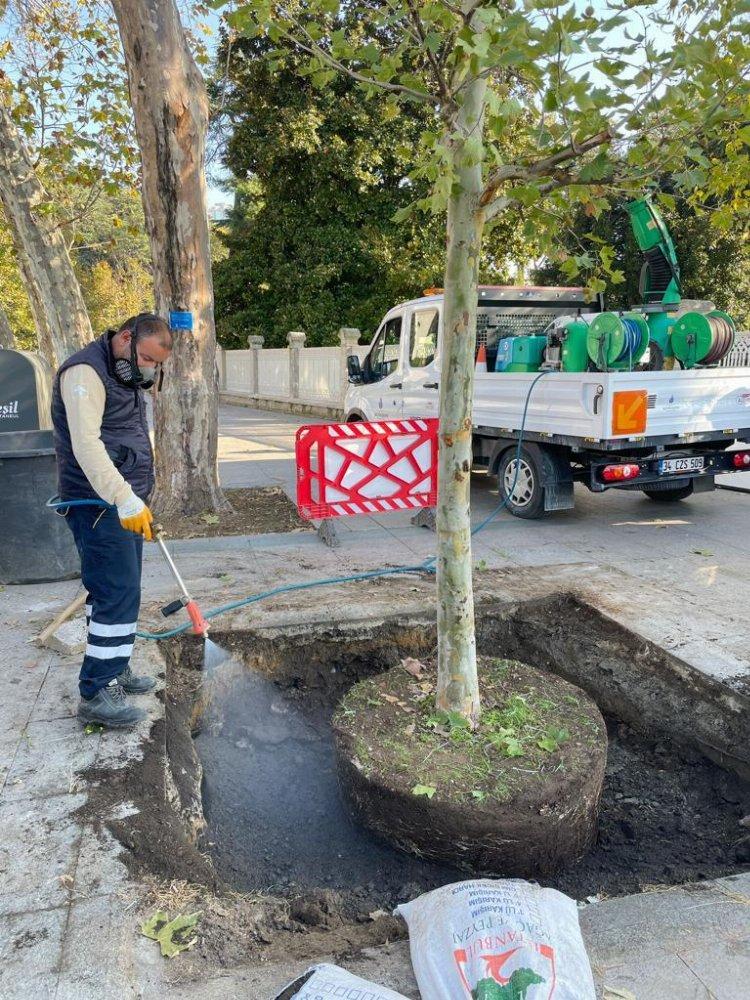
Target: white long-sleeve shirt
<point>84,396</point>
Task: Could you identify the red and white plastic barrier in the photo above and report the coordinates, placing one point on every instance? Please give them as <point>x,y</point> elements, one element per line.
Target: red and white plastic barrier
<point>365,468</point>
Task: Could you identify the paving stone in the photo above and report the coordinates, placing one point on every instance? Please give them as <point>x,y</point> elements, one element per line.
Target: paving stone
<point>722,965</point>
<point>49,760</point>
<point>69,638</point>
<point>654,923</point>
<point>122,965</point>
<point>98,871</point>
<point>666,978</point>
<point>39,846</point>
<point>58,697</point>
<point>30,950</point>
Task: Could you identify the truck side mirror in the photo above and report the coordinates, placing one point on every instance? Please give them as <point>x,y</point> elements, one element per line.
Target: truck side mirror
<point>354,369</point>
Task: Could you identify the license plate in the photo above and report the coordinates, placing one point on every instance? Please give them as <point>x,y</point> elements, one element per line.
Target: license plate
<point>694,464</point>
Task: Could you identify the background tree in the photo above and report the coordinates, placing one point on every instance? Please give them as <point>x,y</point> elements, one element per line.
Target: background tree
<point>60,317</point>
<point>312,243</point>
<point>714,261</point>
<point>170,107</point>
<point>601,101</point>
<point>14,301</point>
<point>63,142</point>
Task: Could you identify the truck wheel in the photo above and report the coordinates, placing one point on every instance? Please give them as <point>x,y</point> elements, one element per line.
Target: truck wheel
<point>527,496</point>
<point>667,496</point>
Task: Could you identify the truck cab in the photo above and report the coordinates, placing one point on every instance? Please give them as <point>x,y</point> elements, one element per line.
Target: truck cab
<point>400,375</point>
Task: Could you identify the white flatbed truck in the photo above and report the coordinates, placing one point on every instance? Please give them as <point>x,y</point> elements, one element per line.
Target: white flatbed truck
<point>665,433</point>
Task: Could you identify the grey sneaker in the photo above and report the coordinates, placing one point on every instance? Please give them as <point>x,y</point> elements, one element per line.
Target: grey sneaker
<point>109,707</point>
<point>133,684</point>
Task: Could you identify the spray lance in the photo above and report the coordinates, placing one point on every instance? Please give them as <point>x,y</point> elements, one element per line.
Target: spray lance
<point>200,625</point>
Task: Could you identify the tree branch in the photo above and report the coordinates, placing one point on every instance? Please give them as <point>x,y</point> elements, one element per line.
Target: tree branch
<point>543,167</point>
<point>312,48</point>
<point>432,58</point>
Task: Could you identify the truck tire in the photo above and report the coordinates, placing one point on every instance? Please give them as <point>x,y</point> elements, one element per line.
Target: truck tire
<point>670,495</point>
<point>527,499</point>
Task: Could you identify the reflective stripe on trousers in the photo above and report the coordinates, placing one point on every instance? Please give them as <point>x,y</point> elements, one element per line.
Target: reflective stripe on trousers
<point>111,560</point>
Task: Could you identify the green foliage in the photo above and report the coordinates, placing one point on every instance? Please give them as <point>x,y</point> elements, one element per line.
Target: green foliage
<point>598,101</point>
<point>112,259</point>
<point>714,261</point>
<point>13,298</point>
<point>427,790</point>
<point>312,243</point>
<point>173,936</point>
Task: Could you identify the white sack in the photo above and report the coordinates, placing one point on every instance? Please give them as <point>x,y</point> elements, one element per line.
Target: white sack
<point>497,939</point>
<point>329,982</point>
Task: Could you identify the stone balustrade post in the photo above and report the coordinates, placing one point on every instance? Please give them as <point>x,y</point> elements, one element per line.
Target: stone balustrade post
<point>348,339</point>
<point>255,343</point>
<point>296,340</point>
<point>221,360</point>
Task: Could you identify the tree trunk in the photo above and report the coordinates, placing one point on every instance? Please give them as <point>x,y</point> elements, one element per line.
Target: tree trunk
<point>57,305</point>
<point>170,105</point>
<point>7,340</point>
<point>458,687</point>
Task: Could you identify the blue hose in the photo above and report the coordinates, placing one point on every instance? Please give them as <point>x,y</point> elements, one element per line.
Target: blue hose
<point>428,566</point>
<point>632,340</point>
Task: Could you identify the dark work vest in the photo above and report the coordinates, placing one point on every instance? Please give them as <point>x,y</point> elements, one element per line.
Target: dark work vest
<point>124,429</point>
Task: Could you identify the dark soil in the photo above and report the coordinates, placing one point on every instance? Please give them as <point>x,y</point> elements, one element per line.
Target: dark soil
<point>256,511</point>
<point>668,815</point>
<point>276,821</point>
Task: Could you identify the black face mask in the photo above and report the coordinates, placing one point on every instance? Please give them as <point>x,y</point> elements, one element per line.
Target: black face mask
<point>127,370</point>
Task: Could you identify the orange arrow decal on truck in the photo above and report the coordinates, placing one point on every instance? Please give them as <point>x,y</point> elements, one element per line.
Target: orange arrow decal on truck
<point>629,411</point>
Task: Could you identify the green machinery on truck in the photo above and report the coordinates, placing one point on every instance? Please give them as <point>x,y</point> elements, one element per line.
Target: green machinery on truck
<point>618,341</point>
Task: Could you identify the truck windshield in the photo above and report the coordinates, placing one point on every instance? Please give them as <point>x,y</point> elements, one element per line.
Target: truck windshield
<point>383,356</point>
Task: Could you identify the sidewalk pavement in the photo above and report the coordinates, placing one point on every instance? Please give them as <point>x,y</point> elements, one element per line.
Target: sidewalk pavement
<point>676,574</point>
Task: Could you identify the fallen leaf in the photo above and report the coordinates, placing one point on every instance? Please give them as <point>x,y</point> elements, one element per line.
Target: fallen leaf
<point>93,727</point>
<point>414,667</point>
<point>426,686</point>
<point>428,790</point>
<point>172,935</point>
<point>377,914</point>
<point>391,699</point>
<point>409,731</point>
<point>210,518</point>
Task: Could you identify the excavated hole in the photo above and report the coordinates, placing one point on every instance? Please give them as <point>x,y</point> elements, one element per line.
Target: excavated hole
<point>275,821</point>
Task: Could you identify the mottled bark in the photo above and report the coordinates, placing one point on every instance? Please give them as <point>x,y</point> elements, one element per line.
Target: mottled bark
<point>57,305</point>
<point>170,106</point>
<point>458,688</point>
<point>7,339</point>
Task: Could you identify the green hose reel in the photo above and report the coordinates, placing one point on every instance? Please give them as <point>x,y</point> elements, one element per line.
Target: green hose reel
<point>702,338</point>
<point>617,342</point>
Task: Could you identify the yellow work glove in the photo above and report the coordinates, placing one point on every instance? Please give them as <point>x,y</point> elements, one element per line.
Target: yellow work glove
<point>135,516</point>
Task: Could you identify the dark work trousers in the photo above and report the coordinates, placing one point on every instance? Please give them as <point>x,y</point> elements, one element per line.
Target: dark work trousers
<point>111,573</point>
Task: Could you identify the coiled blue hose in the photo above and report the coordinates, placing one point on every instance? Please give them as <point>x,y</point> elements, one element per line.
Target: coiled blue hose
<point>428,566</point>
<point>632,340</point>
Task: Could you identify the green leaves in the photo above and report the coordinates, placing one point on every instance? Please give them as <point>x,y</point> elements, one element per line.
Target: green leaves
<point>426,790</point>
<point>553,739</point>
<point>173,936</point>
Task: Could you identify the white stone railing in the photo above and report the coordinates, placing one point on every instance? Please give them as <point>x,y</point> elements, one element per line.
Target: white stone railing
<point>296,378</point>
<point>739,356</point>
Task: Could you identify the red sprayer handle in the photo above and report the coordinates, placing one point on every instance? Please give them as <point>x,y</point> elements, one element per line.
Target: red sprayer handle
<point>200,625</point>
